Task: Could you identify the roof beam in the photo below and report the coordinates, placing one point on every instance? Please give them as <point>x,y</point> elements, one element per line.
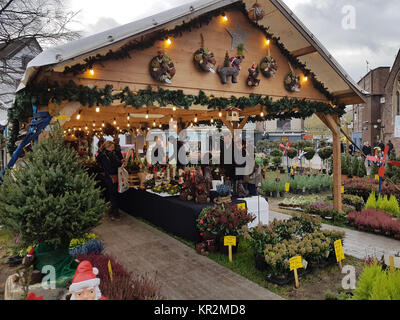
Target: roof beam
<point>303,51</point>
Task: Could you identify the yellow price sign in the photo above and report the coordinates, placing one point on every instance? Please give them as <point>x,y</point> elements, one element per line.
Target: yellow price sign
<point>287,186</point>
<point>229,241</point>
<point>62,118</point>
<point>377,177</point>
<point>241,206</point>
<point>342,189</point>
<point>296,263</point>
<point>110,270</point>
<point>294,166</point>
<point>339,250</point>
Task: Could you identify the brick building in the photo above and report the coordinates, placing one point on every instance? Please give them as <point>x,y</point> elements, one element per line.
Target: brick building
<point>391,110</point>
<point>367,117</point>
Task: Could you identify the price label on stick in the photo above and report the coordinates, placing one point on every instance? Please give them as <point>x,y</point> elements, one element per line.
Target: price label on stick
<point>229,241</point>
<point>241,206</point>
<point>377,177</point>
<point>287,186</point>
<point>296,263</point>
<point>342,189</point>
<point>339,250</point>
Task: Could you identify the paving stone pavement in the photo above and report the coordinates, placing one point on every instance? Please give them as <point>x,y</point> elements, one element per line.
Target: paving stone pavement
<point>182,273</point>
<point>356,243</point>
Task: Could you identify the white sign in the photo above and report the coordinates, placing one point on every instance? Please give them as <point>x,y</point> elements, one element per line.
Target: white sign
<point>397,127</point>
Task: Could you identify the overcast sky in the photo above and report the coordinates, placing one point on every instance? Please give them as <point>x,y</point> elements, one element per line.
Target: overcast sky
<point>353,31</point>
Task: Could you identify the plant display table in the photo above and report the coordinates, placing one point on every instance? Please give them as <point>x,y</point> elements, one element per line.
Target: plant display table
<point>169,213</point>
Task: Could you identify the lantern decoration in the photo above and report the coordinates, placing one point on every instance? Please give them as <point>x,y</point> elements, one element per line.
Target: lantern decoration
<point>162,68</point>
<point>232,114</point>
<point>204,59</point>
<point>252,80</point>
<point>256,12</point>
<point>268,66</point>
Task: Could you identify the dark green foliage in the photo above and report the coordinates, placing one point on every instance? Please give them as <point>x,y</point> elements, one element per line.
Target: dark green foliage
<point>393,172</point>
<point>52,200</point>
<point>292,154</point>
<point>226,60</point>
<point>325,153</point>
<point>362,171</point>
<point>354,166</point>
<point>277,161</point>
<point>310,152</point>
<point>276,153</point>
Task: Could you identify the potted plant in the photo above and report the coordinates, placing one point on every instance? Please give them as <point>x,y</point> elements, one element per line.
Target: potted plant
<point>223,220</point>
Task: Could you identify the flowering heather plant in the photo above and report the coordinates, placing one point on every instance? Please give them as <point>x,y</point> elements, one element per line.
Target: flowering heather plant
<point>375,220</point>
<point>325,208</point>
<point>224,220</point>
<point>363,187</point>
<point>125,285</point>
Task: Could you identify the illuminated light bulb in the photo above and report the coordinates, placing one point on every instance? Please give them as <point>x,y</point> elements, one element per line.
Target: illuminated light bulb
<point>195,118</point>
<point>305,79</point>
<point>220,114</point>
<point>154,124</point>
<point>148,129</point>
<point>175,126</point>
<point>74,129</point>
<point>129,125</point>
<point>115,121</point>
<point>80,129</point>
<point>137,130</point>
<point>91,71</point>
<point>225,18</point>
<point>117,128</point>
<point>97,109</point>
<point>174,109</point>
<point>267,42</point>
<point>212,120</point>
<point>78,115</point>
<point>147,115</point>
<point>262,114</point>
<point>160,126</point>
<point>103,125</point>
<point>94,124</point>
<point>168,41</point>
<point>69,130</point>
<point>65,131</point>
<point>128,117</point>
<point>171,120</point>
<point>86,127</point>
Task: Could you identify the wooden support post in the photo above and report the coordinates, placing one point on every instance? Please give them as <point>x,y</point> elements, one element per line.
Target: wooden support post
<point>332,122</point>
<point>296,279</point>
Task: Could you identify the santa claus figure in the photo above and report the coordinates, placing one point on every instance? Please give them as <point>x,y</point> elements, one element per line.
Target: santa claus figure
<point>85,284</point>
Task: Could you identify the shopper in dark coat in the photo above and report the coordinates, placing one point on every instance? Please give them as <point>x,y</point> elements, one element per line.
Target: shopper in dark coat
<point>110,160</point>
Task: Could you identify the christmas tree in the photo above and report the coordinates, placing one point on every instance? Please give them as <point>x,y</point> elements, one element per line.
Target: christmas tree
<point>52,199</point>
<point>227,63</point>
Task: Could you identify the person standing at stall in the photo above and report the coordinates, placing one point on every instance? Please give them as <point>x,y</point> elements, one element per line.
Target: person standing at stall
<point>110,161</point>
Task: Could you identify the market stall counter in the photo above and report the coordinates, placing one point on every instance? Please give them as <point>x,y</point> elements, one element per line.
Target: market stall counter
<point>169,213</point>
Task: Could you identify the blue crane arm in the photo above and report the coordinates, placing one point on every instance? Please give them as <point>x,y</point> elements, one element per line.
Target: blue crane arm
<point>39,122</point>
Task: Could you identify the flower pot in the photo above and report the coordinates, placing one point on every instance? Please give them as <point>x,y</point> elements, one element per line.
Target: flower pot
<point>259,261</point>
<point>274,194</point>
<point>225,249</point>
<point>282,194</point>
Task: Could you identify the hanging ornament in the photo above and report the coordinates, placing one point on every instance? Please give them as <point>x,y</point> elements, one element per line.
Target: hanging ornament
<point>268,66</point>
<point>162,68</point>
<point>256,12</point>
<point>292,81</point>
<point>252,80</point>
<point>204,59</point>
<point>231,66</point>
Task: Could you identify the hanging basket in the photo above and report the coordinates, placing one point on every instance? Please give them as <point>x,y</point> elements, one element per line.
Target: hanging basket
<point>268,66</point>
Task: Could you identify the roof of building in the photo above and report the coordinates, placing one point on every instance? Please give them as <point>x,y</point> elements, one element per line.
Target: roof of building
<point>280,19</point>
<point>8,50</point>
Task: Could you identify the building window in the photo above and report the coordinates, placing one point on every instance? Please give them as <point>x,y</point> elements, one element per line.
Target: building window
<point>398,102</point>
<point>283,125</point>
<point>129,139</point>
<point>25,60</point>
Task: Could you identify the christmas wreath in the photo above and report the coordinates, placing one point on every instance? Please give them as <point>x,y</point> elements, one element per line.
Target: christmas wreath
<point>268,66</point>
<point>204,60</point>
<point>292,82</point>
<point>162,68</point>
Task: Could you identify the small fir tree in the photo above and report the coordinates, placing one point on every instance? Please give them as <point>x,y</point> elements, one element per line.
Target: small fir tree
<point>362,171</point>
<point>52,199</point>
<point>354,167</point>
<point>227,63</point>
<point>371,202</point>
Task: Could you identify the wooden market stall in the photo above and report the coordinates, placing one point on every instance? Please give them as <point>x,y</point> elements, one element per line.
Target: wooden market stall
<point>170,67</point>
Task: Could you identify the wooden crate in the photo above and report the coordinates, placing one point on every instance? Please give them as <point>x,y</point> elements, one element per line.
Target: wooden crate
<point>133,180</point>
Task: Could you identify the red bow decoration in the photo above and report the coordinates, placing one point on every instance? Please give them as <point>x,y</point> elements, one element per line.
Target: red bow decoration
<point>383,160</point>
<point>33,296</point>
<point>286,147</point>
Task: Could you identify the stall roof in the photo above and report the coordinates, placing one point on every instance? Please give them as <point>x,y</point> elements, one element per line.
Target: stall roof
<point>278,17</point>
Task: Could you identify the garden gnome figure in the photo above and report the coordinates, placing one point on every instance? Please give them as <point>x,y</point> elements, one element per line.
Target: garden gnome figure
<point>85,284</point>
